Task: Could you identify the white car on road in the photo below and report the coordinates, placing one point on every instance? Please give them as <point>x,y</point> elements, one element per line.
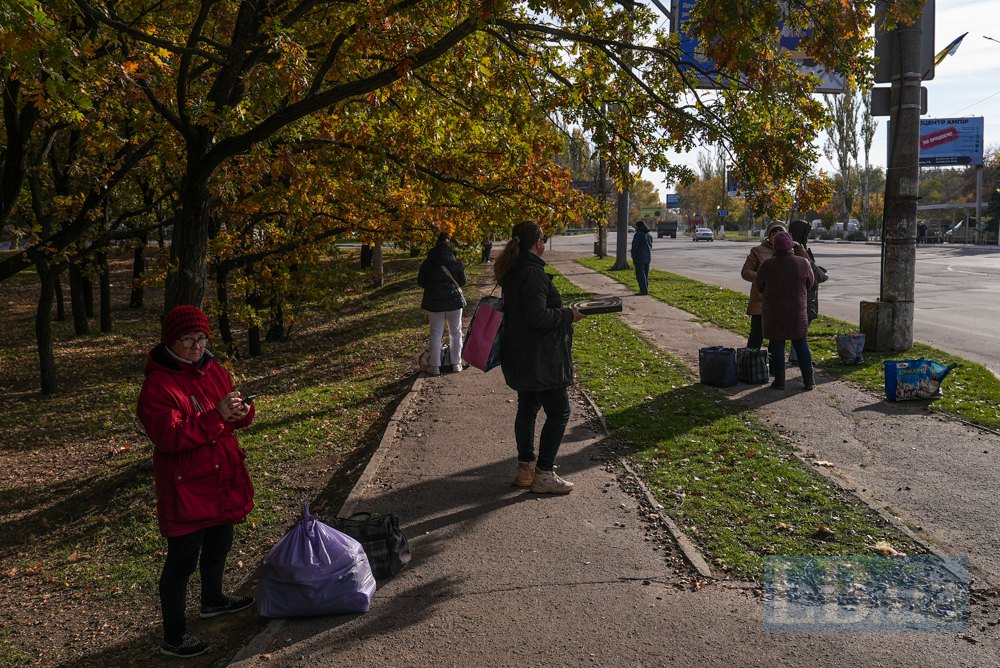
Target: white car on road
<point>703,234</point>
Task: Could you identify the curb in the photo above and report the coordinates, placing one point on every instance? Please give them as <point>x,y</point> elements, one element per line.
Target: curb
<point>688,549</point>
<point>274,626</point>
<point>375,463</point>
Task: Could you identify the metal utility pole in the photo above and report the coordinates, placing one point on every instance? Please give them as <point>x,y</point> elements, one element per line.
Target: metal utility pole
<point>621,236</point>
<point>621,233</point>
<point>601,245</point>
<point>888,323</point>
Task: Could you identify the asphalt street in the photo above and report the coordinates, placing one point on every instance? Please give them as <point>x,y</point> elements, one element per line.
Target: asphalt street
<point>957,287</point>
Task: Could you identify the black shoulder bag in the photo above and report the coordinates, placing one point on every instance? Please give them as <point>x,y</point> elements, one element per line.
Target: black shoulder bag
<point>384,544</point>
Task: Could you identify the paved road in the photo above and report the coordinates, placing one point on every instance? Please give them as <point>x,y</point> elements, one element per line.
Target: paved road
<point>957,287</point>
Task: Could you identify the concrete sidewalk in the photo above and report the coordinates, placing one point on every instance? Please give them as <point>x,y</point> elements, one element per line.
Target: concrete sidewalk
<point>504,577</point>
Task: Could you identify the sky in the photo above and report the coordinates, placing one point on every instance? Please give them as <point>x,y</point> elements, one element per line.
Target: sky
<point>965,84</point>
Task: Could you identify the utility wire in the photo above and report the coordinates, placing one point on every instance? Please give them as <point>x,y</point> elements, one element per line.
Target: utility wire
<point>956,113</point>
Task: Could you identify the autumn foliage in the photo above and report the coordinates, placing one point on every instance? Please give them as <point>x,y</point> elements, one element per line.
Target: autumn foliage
<point>249,135</point>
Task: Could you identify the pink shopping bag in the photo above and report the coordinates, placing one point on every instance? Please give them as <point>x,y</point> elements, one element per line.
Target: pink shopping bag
<point>482,342</point>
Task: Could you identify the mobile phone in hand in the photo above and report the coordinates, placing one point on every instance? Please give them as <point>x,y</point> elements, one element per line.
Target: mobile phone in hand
<point>247,400</point>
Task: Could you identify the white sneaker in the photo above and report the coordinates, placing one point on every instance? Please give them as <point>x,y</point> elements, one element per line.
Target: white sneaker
<point>547,482</point>
<point>433,371</point>
<point>455,368</point>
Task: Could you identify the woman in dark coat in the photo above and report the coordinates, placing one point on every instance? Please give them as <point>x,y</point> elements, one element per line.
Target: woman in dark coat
<point>799,230</point>
<point>537,356</point>
<point>442,276</point>
<point>784,282</point>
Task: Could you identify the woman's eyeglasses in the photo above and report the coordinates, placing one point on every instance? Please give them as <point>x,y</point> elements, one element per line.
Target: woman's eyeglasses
<point>192,341</point>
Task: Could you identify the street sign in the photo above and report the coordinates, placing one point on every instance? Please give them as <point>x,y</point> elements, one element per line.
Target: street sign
<point>705,71</point>
<point>881,98</point>
<point>722,213</point>
<point>887,48</point>
<point>673,201</point>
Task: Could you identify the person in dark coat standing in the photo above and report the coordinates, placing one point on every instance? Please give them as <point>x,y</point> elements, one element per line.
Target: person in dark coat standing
<point>642,253</point>
<point>783,282</point>
<point>442,276</point>
<point>487,248</point>
<point>190,412</point>
<point>799,229</point>
<point>756,257</point>
<point>537,357</point>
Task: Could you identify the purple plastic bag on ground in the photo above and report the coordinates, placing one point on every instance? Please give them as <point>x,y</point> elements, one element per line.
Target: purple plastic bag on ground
<point>314,570</point>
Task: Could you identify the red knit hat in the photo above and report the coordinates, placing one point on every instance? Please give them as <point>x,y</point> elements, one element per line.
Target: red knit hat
<point>182,320</point>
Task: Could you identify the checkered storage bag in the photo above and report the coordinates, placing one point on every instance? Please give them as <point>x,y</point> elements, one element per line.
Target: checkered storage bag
<point>752,365</point>
<point>385,545</point>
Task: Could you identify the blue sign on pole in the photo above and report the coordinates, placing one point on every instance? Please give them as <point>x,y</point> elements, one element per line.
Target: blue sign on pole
<point>951,141</point>
<point>693,57</point>
<point>673,201</point>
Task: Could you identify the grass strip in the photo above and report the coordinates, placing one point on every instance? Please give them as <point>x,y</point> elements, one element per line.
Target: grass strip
<point>325,395</point>
<point>971,391</point>
<point>731,483</point>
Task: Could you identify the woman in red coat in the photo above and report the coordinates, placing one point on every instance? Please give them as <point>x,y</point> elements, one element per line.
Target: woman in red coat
<point>191,411</point>
<point>784,282</point>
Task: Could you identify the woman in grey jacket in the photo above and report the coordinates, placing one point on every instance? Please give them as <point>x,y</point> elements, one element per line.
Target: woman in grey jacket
<point>442,276</point>
<point>537,357</point>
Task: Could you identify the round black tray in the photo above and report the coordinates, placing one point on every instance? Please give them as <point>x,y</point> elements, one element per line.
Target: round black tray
<point>598,305</point>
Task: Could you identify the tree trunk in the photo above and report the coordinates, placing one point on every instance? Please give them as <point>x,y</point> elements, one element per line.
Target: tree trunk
<point>60,301</point>
<point>378,280</point>
<point>225,326</point>
<point>255,301</point>
<point>189,241</point>
<point>88,294</point>
<point>43,327</point>
<point>253,341</point>
<point>81,326</point>
<point>136,296</point>
<point>366,256</point>
<point>105,287</point>
<point>276,331</point>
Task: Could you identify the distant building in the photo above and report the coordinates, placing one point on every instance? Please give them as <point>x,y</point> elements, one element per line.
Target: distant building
<point>651,212</point>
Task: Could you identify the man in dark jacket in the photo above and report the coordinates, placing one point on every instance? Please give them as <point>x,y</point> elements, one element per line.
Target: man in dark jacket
<point>642,253</point>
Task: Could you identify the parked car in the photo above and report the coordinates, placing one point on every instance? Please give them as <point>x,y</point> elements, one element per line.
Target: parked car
<point>704,234</point>
<point>964,233</point>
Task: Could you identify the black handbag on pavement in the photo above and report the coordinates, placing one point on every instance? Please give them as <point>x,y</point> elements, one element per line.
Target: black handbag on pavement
<point>385,545</point>
<point>717,366</point>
